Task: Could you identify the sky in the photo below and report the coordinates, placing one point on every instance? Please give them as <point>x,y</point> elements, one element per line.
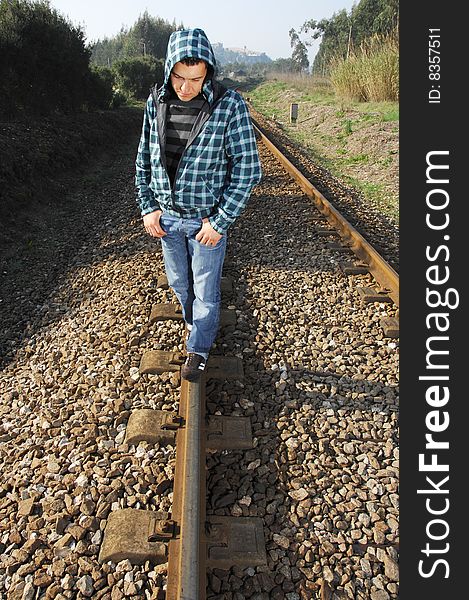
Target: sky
<point>261,25</point>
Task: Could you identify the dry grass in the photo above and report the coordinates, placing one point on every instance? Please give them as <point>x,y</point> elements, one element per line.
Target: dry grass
<point>303,81</point>
<point>370,74</point>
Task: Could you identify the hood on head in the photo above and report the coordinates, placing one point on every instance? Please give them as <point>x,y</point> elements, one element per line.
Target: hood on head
<point>192,43</point>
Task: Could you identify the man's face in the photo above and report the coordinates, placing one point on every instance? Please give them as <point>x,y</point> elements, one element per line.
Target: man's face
<point>187,81</point>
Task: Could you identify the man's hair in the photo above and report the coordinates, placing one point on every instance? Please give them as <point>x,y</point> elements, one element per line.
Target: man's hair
<point>193,60</point>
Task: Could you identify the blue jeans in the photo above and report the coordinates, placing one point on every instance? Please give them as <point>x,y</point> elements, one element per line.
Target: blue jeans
<point>194,273</point>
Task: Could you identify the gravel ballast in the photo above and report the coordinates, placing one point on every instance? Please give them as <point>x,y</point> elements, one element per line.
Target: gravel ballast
<point>320,387</point>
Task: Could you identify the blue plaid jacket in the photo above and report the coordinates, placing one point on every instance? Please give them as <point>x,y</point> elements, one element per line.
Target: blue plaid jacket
<point>220,164</point>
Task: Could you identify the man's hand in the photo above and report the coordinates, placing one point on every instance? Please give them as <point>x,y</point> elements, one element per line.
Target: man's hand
<point>207,235</point>
<point>152,225</point>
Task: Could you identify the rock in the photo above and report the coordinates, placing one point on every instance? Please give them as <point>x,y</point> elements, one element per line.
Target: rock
<point>391,569</point>
<point>85,585</point>
<point>379,595</point>
<point>320,391</point>
<point>281,541</point>
<point>299,494</point>
<point>25,507</point>
<point>29,592</point>
<point>42,579</point>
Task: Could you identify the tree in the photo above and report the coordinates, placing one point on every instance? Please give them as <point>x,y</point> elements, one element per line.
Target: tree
<point>335,34</point>
<point>45,62</point>
<point>375,17</point>
<point>300,53</point>
<point>283,65</point>
<point>105,52</point>
<point>101,83</point>
<point>149,36</point>
<point>344,32</point>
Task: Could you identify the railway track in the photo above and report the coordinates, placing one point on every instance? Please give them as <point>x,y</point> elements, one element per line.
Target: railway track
<point>381,231</point>
<point>286,487</point>
<point>371,260</point>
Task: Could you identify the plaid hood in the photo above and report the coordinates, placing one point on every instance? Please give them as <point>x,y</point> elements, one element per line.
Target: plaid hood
<point>189,43</point>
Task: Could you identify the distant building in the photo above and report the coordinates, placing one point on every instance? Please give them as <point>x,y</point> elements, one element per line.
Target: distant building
<point>238,55</point>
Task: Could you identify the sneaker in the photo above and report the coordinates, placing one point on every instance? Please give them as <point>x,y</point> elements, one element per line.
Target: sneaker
<point>193,368</point>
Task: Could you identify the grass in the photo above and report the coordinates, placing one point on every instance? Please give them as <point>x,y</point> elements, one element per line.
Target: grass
<point>382,199</point>
<point>278,95</point>
<point>387,111</point>
<point>134,103</point>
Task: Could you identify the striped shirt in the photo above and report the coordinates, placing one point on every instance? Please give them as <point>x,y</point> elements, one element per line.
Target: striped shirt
<point>180,120</point>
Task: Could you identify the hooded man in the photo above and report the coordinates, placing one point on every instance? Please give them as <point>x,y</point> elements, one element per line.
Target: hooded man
<point>196,165</point>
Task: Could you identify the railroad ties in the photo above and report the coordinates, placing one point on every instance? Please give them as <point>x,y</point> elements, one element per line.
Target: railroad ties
<point>188,539</point>
<point>353,265</point>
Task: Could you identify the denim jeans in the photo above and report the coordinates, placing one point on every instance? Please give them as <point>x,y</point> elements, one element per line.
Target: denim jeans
<point>194,273</point>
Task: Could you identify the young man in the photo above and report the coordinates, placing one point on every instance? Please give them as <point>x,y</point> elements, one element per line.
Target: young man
<point>196,165</point>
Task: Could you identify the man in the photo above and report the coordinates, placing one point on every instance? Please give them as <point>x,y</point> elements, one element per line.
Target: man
<point>196,165</point>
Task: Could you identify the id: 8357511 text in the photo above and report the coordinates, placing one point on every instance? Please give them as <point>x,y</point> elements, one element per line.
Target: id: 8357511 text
<point>434,66</point>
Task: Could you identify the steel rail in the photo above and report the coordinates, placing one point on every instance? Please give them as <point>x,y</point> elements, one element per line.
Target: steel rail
<point>187,561</point>
<point>384,274</point>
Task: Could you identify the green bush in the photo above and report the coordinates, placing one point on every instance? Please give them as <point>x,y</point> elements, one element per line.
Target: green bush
<point>118,99</point>
<point>135,76</point>
<point>101,81</point>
